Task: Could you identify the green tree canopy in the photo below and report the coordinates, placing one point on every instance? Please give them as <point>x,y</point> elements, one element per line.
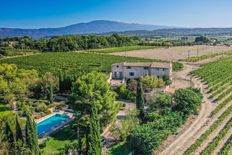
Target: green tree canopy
<point>187,101</point>
<point>93,88</point>
<point>15,83</point>
<point>161,101</point>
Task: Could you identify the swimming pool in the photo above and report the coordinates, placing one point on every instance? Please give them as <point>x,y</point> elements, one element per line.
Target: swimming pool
<point>52,124</point>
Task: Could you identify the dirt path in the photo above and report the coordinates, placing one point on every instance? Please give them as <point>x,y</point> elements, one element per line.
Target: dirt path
<point>17,56</point>
<point>183,141</point>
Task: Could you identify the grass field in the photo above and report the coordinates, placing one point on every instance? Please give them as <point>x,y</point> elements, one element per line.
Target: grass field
<point>119,149</point>
<point>121,49</point>
<point>56,143</point>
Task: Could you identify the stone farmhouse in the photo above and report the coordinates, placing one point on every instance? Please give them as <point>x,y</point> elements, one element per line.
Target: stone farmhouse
<point>124,71</point>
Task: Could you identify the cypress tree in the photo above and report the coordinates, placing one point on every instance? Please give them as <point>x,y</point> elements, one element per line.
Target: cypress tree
<point>31,136</point>
<point>61,81</point>
<point>9,137</point>
<point>19,134</point>
<point>51,96</point>
<point>139,97</point>
<point>94,146</point>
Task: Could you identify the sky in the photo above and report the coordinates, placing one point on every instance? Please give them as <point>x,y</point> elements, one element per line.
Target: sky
<point>58,13</point>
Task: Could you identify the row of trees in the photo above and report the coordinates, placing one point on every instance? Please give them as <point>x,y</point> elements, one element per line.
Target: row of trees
<point>18,137</point>
<point>70,43</point>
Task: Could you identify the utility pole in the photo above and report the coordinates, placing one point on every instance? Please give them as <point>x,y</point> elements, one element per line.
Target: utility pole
<point>188,55</point>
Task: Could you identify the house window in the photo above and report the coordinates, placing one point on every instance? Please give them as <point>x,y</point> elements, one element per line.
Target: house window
<point>164,69</point>
<point>128,67</point>
<point>117,66</point>
<point>132,74</point>
<point>115,74</point>
<point>145,68</point>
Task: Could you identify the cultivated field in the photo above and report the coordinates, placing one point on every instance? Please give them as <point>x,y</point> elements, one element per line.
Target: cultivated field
<point>175,53</point>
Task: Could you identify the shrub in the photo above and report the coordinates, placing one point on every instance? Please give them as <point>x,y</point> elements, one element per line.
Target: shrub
<point>187,101</point>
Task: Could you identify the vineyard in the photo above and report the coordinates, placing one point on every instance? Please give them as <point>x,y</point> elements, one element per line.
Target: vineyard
<point>68,62</point>
<point>218,77</point>
<point>73,62</point>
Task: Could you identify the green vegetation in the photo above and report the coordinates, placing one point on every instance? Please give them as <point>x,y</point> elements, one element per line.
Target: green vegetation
<point>17,136</point>
<point>149,83</point>
<point>15,83</point>
<point>59,142</point>
<point>74,63</point>
<point>95,104</point>
<point>213,127</point>
<point>227,147</point>
<point>162,119</point>
<point>201,40</point>
<point>212,74</point>
<point>20,86</point>
<point>14,52</point>
<point>121,49</point>
<point>119,149</point>
<point>70,43</point>
<point>218,77</point>
<point>139,96</point>
<point>211,147</point>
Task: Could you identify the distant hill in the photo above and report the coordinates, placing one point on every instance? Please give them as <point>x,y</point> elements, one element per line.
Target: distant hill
<point>180,32</point>
<point>94,27</point>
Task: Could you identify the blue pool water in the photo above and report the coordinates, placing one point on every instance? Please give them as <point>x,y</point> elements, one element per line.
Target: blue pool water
<point>50,123</point>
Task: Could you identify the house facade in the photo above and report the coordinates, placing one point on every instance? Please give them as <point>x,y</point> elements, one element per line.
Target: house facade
<point>125,70</point>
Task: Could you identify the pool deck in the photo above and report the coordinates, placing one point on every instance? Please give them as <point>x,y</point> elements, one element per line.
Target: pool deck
<point>52,114</point>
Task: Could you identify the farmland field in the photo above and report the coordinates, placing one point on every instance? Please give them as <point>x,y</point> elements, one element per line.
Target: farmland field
<point>218,77</point>
<point>175,53</point>
<point>69,62</point>
<point>121,49</point>
<point>73,62</point>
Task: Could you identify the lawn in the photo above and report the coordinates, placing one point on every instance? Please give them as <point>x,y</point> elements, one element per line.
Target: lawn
<point>56,143</point>
<point>121,49</point>
<point>119,149</point>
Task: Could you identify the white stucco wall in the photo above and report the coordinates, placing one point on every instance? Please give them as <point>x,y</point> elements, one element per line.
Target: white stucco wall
<point>160,72</point>
<point>138,72</point>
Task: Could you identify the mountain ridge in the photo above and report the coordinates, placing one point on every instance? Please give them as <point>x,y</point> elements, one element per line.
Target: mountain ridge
<point>93,27</point>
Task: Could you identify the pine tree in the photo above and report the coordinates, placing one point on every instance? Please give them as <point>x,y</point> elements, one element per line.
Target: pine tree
<point>139,97</point>
<point>19,134</point>
<point>31,136</point>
